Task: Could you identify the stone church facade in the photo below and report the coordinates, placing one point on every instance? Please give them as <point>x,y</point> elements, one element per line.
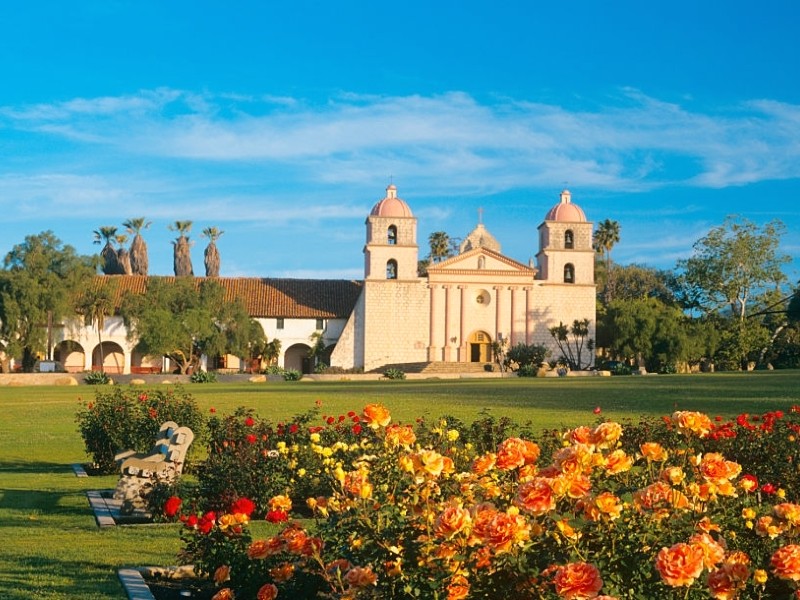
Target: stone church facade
<point>466,302</point>
<point>393,316</point>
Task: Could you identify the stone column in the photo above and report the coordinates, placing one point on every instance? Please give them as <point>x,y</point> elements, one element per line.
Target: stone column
<point>462,334</point>
<point>432,348</point>
<point>498,312</point>
<point>511,333</point>
<point>447,346</point>
<point>528,290</point>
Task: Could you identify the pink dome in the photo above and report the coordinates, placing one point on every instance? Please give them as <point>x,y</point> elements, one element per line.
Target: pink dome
<point>391,205</point>
<point>566,211</point>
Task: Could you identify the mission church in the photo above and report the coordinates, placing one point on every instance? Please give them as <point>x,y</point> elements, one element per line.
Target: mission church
<point>394,316</point>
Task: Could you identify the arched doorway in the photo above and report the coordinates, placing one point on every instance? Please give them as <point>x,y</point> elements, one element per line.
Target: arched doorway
<point>144,364</point>
<point>480,347</point>
<point>296,358</point>
<point>113,358</point>
<point>71,356</point>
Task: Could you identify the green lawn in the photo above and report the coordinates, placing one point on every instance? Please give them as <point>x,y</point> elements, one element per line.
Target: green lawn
<point>52,548</point>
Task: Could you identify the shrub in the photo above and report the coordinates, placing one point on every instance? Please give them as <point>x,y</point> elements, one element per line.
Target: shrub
<point>654,509</point>
<point>200,376</point>
<point>272,370</point>
<point>528,371</point>
<point>96,378</point>
<point>123,418</point>
<point>394,373</point>
<point>292,375</point>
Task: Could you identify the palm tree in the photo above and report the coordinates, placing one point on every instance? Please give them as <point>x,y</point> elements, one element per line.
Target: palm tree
<point>212,260</point>
<point>440,245</point>
<point>108,255</point>
<point>182,261</point>
<point>123,256</point>
<point>95,305</point>
<point>138,253</point>
<point>605,238</point>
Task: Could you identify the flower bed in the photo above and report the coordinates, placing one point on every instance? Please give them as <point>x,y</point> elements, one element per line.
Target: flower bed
<point>684,507</point>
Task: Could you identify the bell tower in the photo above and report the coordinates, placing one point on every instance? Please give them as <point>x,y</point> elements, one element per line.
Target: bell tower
<point>391,251</point>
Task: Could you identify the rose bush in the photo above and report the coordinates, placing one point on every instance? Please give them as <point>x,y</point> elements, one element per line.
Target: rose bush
<point>128,418</point>
<point>655,509</point>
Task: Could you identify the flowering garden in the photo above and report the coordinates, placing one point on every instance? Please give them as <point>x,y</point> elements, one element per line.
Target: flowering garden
<point>689,506</point>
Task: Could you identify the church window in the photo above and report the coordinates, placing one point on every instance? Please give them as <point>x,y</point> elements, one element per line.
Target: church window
<point>279,323</point>
<point>391,269</point>
<point>569,239</point>
<point>391,235</point>
<point>320,324</point>
<point>569,273</point>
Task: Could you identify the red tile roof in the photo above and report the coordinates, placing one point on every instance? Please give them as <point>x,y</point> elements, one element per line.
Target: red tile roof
<point>289,298</point>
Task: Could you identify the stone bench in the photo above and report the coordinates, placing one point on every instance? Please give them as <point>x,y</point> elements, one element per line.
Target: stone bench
<point>139,473</point>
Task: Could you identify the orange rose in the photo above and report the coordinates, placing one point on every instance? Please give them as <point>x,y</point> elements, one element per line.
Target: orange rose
<point>579,435</point>
<point>692,422</point>
<point>268,591</point>
<point>484,463</point>
<point>579,486</point>
<point>726,582</point>
<point>653,451</point>
<point>713,551</point>
<point>574,459</point>
<point>282,573</point>
<point>510,454</point>
<point>680,564</point>
<point>458,588</point>
<point>786,562</point>
<point>673,475</point>
<point>431,462</point>
<point>607,434</point>
<point>504,530</point>
<point>452,520</point>
<point>360,577</point>
<point>717,470</point>
<point>260,549</point>
<point>223,594</point>
<point>618,462</point>
<point>400,435</point>
<point>376,415</point>
<point>577,581</point>
<point>295,539</point>
<point>609,505</point>
<point>222,574</point>
<point>536,496</point>
<point>767,527</point>
<point>280,503</point>
<point>788,512</point>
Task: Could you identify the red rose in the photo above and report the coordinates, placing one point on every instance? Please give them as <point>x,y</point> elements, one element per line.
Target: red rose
<point>277,516</point>
<point>243,506</point>
<point>249,421</point>
<point>251,439</point>
<point>172,506</point>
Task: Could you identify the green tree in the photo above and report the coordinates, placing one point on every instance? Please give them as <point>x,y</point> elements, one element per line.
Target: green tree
<point>572,341</point>
<point>523,356</point>
<point>734,265</point>
<point>605,237</point>
<point>211,255</point>
<point>140,262</point>
<point>184,319</point>
<point>96,303</point>
<point>38,284</point>
<point>108,235</point>
<point>182,258</point>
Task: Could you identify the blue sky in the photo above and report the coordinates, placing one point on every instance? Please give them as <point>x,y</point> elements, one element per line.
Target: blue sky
<point>283,123</point>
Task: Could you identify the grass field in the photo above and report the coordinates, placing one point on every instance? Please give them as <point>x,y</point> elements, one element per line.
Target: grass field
<point>53,549</point>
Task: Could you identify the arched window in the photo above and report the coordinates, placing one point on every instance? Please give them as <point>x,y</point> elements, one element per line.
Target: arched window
<point>391,269</point>
<point>481,262</point>
<point>569,273</point>
<point>391,235</point>
<point>569,240</point>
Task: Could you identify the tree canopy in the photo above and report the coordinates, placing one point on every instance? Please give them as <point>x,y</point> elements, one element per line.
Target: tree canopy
<point>184,319</point>
<point>734,264</point>
<point>38,285</point>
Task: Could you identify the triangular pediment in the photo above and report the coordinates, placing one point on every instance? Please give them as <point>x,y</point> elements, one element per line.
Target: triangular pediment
<point>481,260</point>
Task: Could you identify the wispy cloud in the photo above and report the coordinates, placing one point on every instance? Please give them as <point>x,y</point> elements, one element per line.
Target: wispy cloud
<point>451,141</point>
